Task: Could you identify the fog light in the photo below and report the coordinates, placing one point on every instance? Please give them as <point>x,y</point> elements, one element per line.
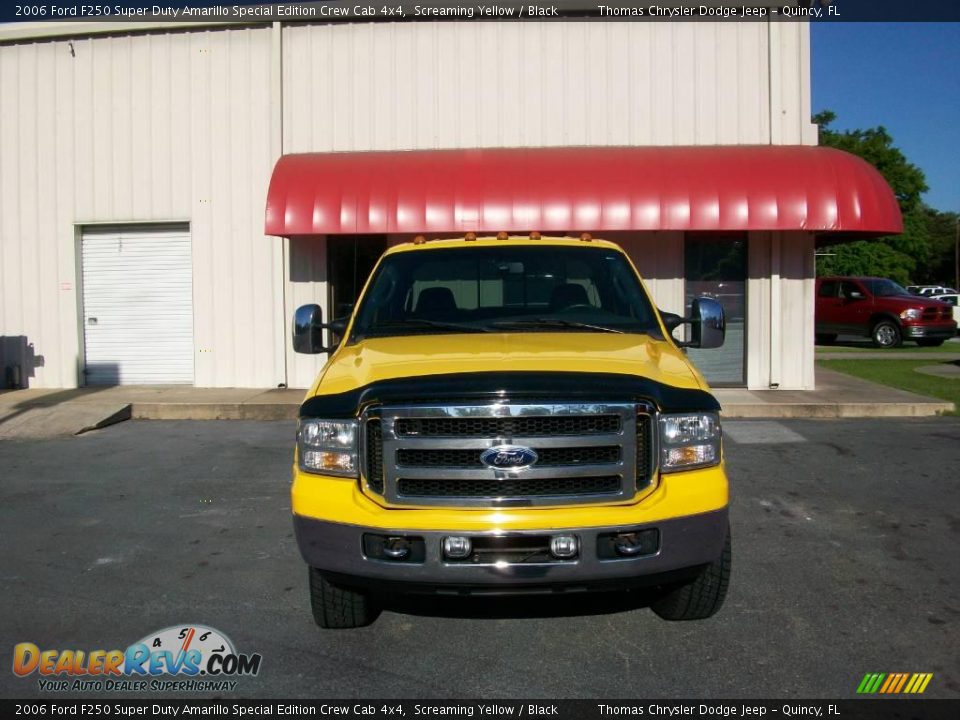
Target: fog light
<point>456,548</point>
<point>396,547</point>
<point>563,546</point>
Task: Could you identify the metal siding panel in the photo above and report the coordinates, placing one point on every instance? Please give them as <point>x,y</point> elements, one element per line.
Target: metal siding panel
<point>449,89</point>
<point>758,310</point>
<point>307,260</point>
<point>138,286</point>
<point>363,105</point>
<point>426,85</point>
<point>101,127</point>
<point>63,366</point>
<point>727,97</point>
<point>114,129</point>
<point>10,297</point>
<point>706,50</point>
<point>42,273</point>
<point>465,97</point>
<point>617,82</point>
<point>29,109</point>
<point>121,112</point>
<point>141,193</point>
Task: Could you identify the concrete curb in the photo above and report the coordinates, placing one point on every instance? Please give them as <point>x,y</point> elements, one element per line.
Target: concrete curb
<point>215,411</point>
<point>120,415</point>
<point>279,411</point>
<point>836,410</point>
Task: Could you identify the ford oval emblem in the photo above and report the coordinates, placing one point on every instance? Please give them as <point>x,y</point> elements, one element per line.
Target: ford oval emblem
<point>508,457</point>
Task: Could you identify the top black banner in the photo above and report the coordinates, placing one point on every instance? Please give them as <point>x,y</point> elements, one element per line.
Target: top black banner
<point>204,11</point>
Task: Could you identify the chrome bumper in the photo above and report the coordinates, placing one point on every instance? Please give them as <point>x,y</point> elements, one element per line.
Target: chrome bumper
<point>337,549</point>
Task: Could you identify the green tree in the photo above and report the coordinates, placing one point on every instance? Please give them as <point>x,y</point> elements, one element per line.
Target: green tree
<point>875,145</point>
<point>924,251</point>
<point>865,257</point>
<point>942,228</point>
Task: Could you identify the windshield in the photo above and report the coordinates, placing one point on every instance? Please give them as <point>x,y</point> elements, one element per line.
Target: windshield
<point>504,289</point>
<point>884,288</point>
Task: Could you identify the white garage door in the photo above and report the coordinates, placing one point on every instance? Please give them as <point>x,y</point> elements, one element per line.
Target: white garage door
<point>137,306</point>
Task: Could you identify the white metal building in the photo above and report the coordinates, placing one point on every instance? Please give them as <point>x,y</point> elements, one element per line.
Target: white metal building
<point>135,163</point>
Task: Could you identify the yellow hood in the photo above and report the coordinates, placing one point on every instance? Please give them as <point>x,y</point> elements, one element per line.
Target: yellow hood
<point>378,359</point>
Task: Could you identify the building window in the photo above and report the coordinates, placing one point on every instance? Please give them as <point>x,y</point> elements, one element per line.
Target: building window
<point>715,266</point>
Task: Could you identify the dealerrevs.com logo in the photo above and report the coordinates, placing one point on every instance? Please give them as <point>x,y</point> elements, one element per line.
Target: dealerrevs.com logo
<point>178,658</point>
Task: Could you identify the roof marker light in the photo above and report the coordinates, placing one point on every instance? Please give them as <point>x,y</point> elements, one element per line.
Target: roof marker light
<point>534,235</point>
<point>502,235</point>
<point>419,240</point>
<point>470,236</point>
<point>586,237</point>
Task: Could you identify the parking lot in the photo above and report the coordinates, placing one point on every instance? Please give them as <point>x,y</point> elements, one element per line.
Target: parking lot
<point>846,538</point>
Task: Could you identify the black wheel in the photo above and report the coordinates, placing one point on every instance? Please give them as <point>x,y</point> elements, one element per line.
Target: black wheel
<point>701,598</point>
<point>336,607</point>
<point>886,334</point>
<point>930,342</point>
<point>826,338</point>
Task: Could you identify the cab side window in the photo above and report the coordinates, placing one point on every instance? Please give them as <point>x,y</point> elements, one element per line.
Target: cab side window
<point>828,289</point>
<point>850,290</point>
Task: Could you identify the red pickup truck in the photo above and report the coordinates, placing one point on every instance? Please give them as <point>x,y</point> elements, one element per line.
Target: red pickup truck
<point>879,309</point>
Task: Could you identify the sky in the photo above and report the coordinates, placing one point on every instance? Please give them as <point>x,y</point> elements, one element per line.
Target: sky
<point>904,76</point>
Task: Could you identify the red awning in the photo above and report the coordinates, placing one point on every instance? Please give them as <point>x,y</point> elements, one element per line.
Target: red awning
<point>580,189</point>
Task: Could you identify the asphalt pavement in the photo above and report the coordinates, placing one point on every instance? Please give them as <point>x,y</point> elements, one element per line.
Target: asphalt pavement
<point>845,562</point>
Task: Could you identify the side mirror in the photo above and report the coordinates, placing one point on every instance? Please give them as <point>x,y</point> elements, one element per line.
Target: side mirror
<point>707,324</point>
<point>855,295</point>
<point>308,330</point>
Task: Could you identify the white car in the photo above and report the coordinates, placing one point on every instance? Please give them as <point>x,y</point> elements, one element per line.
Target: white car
<point>931,290</point>
<point>951,298</point>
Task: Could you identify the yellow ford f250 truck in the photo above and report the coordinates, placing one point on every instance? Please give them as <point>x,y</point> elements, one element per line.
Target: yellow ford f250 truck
<point>506,415</point>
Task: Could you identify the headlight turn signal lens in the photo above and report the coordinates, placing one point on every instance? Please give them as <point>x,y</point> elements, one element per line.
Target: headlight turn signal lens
<point>689,440</point>
<point>328,446</point>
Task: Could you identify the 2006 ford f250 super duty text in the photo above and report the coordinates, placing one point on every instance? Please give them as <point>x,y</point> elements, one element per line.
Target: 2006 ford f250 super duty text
<point>504,415</point>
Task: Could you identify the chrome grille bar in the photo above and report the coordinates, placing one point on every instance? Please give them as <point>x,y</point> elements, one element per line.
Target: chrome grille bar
<point>625,468</point>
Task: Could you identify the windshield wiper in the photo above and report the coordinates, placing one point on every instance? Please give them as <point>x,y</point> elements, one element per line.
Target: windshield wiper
<point>422,322</point>
<point>554,322</point>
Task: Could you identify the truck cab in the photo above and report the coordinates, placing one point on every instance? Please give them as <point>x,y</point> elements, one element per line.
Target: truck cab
<point>503,415</point>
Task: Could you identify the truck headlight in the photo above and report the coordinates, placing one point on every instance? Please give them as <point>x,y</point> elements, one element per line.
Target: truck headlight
<point>689,440</point>
<point>328,446</point>
<point>911,314</point>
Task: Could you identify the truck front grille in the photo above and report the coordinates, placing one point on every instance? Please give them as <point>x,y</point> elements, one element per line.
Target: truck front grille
<point>375,456</point>
<point>543,426</point>
<point>431,455</point>
<point>518,488</point>
<point>548,457</point>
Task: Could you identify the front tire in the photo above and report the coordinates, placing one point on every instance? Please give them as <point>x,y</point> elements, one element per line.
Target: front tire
<point>338,608</point>
<point>886,334</point>
<point>930,342</point>
<point>701,598</point>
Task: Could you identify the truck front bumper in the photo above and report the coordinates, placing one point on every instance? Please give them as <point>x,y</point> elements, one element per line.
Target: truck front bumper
<point>938,331</point>
<point>683,543</point>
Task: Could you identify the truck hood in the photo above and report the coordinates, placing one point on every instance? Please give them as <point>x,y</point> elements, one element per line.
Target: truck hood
<point>378,359</point>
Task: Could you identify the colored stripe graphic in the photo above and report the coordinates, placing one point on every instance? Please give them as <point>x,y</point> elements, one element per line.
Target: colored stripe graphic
<point>894,683</point>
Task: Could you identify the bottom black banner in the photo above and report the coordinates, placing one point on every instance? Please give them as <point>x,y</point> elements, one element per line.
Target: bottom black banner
<point>876,709</point>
